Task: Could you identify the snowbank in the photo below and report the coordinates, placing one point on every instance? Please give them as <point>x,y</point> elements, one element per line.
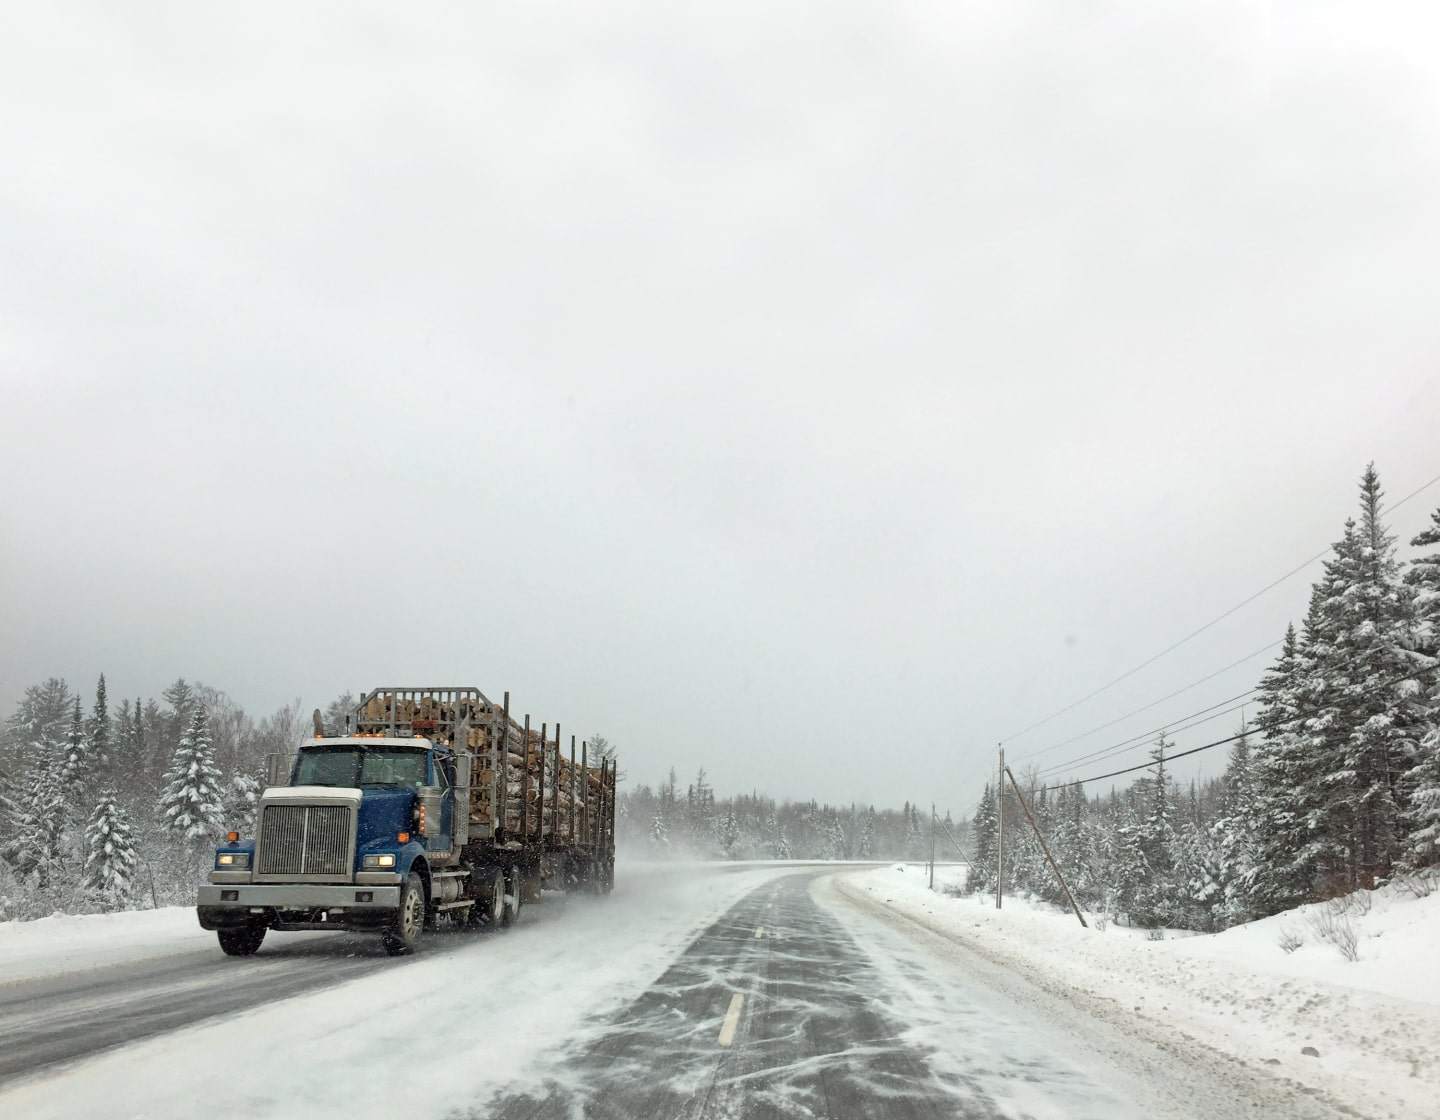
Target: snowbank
<point>1373,1022</point>
<point>68,943</point>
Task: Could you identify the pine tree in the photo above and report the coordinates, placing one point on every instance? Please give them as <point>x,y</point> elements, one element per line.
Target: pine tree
<point>1322,856</point>
<point>191,802</point>
<point>242,798</point>
<point>1422,783</point>
<point>1126,873</point>
<point>37,726</point>
<point>36,847</point>
<point>1234,834</point>
<point>1372,627</point>
<point>914,836</point>
<point>76,767</point>
<point>982,831</point>
<point>865,849</point>
<point>1157,836</point>
<point>729,834</point>
<point>111,858</point>
<point>99,730</point>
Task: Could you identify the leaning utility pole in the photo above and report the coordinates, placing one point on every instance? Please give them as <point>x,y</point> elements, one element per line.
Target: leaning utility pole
<point>1044,847</point>
<point>1000,832</point>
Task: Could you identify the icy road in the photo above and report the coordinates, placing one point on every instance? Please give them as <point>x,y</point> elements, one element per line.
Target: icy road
<point>709,991</point>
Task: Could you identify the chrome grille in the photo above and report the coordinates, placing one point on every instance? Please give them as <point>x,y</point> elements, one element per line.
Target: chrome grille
<point>304,840</point>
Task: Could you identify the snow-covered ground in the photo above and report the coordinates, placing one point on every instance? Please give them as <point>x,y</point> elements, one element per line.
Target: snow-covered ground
<point>67,943</point>
<point>360,1049</point>
<point>1374,1023</point>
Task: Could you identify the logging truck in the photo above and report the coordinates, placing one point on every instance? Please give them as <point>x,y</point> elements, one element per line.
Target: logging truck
<point>431,805</point>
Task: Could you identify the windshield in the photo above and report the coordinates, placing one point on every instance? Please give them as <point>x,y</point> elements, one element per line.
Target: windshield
<point>360,766</point>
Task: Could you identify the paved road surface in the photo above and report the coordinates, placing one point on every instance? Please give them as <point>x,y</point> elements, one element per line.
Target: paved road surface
<point>804,1001</point>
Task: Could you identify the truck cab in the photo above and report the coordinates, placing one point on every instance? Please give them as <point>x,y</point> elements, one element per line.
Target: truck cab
<point>355,840</point>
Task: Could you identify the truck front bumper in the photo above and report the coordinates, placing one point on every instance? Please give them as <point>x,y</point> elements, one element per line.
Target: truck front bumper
<point>297,906</point>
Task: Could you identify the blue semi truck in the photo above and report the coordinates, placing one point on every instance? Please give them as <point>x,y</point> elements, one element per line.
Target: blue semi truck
<point>431,805</point>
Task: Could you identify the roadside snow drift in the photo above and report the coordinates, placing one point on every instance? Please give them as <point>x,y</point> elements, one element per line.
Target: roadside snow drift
<point>1366,1032</point>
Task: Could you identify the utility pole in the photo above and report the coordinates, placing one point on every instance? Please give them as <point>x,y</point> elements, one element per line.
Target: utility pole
<point>932,845</point>
<point>1000,832</point>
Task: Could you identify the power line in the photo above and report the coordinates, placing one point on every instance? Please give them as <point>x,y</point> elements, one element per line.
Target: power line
<point>1154,703</point>
<point>1201,629</point>
<point>1175,727</point>
<point>1258,729</point>
<point>1182,724</point>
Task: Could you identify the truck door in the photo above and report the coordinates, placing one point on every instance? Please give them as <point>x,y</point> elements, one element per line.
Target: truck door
<point>441,809</point>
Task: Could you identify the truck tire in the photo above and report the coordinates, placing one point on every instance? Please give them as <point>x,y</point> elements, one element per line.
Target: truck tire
<point>510,911</point>
<point>242,942</point>
<point>404,935</point>
<point>489,909</point>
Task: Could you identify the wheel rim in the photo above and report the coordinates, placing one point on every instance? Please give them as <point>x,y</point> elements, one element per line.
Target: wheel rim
<point>497,899</point>
<point>410,918</point>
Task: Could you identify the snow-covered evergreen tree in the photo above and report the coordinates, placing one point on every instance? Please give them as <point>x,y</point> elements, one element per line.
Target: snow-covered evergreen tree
<point>99,732</point>
<point>191,804</point>
<point>982,830</point>
<point>1377,672</point>
<point>75,767</point>
<point>915,846</point>
<point>37,846</point>
<point>110,856</point>
<point>1235,834</point>
<point>865,846</point>
<point>1422,783</point>
<point>729,833</point>
<point>242,798</point>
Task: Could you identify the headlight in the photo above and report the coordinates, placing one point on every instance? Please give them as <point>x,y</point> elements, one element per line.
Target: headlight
<point>235,861</point>
<point>386,860</point>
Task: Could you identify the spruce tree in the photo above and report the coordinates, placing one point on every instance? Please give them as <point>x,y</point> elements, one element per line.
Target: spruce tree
<point>1422,783</point>
<point>110,855</point>
<point>1371,616</point>
<point>865,848</point>
<point>1323,859</point>
<point>982,864</point>
<point>191,803</point>
<point>37,846</point>
<point>729,834</point>
<point>1153,899</point>
<point>76,767</point>
<point>1235,834</point>
<point>101,748</point>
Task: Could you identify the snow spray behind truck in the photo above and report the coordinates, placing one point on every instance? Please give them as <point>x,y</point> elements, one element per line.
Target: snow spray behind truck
<point>432,805</point>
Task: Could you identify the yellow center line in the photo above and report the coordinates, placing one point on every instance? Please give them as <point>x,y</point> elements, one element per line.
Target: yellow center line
<point>759,931</point>
<point>732,1019</point>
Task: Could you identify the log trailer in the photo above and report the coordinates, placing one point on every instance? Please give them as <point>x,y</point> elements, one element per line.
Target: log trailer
<point>432,805</point>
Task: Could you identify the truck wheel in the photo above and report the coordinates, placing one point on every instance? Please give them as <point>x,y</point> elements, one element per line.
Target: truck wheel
<point>404,935</point>
<point>510,911</point>
<point>489,908</point>
<point>242,942</point>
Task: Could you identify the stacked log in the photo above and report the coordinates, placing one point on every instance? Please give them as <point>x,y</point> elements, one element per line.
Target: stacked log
<point>491,737</point>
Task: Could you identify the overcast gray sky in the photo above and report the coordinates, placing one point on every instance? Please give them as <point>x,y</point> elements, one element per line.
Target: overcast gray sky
<point>818,392</point>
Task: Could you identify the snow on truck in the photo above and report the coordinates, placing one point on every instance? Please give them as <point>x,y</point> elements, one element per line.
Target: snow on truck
<point>433,804</point>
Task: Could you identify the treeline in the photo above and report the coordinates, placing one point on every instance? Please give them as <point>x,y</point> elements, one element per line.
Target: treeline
<point>104,807</point>
<point>665,821</point>
<point>1334,788</point>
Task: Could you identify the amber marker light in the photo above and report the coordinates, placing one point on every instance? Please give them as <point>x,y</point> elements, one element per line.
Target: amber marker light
<point>403,837</point>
